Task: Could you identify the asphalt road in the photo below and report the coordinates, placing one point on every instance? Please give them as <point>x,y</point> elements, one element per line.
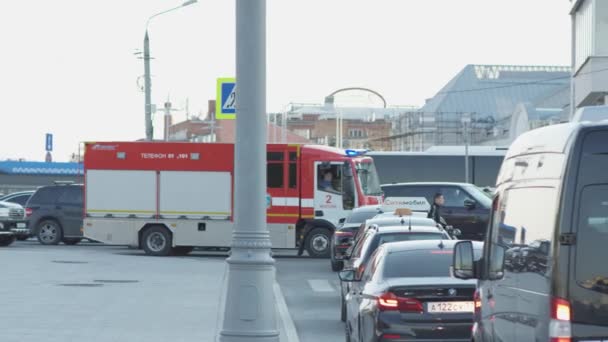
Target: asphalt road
<point>92,292</point>
<point>311,291</point>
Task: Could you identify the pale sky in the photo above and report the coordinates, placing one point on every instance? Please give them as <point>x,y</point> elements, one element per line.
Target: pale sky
<point>67,66</point>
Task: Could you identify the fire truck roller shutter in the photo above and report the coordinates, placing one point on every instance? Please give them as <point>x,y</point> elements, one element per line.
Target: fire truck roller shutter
<point>317,238</point>
<point>120,193</point>
<point>195,195</point>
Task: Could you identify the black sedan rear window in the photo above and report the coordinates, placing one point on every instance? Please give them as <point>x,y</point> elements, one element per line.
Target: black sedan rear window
<point>420,263</point>
<point>380,239</point>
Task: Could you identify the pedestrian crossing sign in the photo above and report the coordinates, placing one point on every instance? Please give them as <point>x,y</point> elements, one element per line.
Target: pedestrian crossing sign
<point>225,101</point>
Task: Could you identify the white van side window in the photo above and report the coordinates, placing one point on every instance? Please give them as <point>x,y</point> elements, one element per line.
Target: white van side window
<point>592,239</point>
<point>522,230</point>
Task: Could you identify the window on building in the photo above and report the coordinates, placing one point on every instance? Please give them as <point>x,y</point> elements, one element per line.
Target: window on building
<point>355,133</point>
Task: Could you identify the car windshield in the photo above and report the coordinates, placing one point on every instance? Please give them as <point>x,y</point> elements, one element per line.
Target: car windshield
<point>420,263</point>
<point>479,196</point>
<point>368,177</point>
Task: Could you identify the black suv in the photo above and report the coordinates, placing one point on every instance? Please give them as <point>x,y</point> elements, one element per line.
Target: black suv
<point>466,206</point>
<point>55,214</point>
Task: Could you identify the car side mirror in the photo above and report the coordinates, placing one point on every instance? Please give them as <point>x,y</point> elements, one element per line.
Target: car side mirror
<point>470,204</point>
<point>347,276</point>
<point>463,261</point>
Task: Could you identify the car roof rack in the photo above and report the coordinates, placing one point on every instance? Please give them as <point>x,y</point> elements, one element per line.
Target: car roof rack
<point>63,182</point>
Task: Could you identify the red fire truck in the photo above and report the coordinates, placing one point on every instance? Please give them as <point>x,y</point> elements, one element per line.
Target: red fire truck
<point>168,198</point>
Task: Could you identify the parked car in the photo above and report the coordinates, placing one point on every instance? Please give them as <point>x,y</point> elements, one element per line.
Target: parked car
<point>12,223</point>
<point>376,236</point>
<point>20,197</point>
<point>345,232</point>
<point>543,275</point>
<point>466,206</point>
<point>384,220</point>
<point>55,214</point>
<point>406,294</point>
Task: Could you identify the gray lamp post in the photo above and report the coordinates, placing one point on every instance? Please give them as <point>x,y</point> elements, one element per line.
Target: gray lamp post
<point>147,77</point>
<point>466,122</point>
<point>249,310</point>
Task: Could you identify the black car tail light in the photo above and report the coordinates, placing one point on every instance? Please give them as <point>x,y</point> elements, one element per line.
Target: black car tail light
<point>391,336</point>
<point>390,302</point>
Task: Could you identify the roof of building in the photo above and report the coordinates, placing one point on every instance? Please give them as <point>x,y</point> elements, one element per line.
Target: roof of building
<point>356,113</point>
<point>495,90</point>
<point>226,130</point>
<point>41,168</point>
<point>446,150</point>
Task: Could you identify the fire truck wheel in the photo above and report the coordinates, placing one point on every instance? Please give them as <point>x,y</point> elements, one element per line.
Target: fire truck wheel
<point>318,243</point>
<point>157,241</point>
<point>6,240</point>
<point>49,232</point>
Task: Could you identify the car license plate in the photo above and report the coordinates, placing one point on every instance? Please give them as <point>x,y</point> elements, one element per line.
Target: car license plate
<point>21,225</point>
<point>447,307</point>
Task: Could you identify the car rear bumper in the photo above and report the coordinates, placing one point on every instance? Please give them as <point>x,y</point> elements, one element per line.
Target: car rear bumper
<point>409,339</point>
<point>401,330</point>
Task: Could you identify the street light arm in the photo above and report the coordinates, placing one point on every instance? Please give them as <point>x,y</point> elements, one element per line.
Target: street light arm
<point>359,88</point>
<point>187,3</point>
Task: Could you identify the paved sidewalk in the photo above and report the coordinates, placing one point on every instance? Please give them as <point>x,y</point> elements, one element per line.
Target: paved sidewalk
<point>107,294</point>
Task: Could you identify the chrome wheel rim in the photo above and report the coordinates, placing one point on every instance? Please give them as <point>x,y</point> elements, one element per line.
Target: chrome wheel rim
<point>48,233</point>
<point>319,243</point>
<point>156,242</point>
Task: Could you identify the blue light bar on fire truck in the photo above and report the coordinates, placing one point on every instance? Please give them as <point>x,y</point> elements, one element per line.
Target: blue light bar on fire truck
<point>355,153</point>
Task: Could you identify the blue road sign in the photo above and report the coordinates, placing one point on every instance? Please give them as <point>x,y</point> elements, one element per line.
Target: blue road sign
<point>225,99</point>
<point>49,142</point>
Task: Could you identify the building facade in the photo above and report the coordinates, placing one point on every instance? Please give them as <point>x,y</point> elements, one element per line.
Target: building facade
<point>24,175</point>
<point>479,106</point>
<point>589,53</point>
<point>361,127</point>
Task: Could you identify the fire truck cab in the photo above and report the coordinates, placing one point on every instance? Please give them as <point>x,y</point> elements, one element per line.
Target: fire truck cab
<point>168,198</point>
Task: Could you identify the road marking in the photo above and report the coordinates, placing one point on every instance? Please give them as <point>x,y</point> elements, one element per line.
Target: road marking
<point>320,285</point>
<point>288,325</point>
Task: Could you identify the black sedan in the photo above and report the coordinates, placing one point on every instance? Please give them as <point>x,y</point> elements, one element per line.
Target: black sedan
<point>407,294</point>
<point>343,236</point>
